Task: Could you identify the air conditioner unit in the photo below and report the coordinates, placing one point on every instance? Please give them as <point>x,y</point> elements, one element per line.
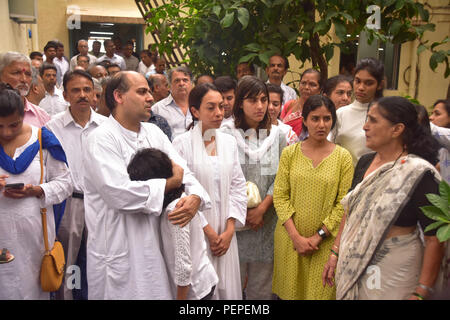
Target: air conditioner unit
<point>23,11</point>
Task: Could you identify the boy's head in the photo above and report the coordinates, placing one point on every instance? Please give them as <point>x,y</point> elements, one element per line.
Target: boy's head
<point>152,163</point>
<point>148,164</point>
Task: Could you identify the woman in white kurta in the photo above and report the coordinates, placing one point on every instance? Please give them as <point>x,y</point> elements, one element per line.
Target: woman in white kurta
<point>368,86</point>
<point>20,218</point>
<point>213,157</point>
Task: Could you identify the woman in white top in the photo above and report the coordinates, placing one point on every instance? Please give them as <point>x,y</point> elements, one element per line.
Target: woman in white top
<point>192,275</point>
<point>368,85</point>
<point>274,109</point>
<point>213,158</point>
<point>260,145</point>
<point>20,217</point>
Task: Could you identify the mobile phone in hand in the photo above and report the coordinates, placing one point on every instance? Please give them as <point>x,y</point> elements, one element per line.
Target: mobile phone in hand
<point>14,186</point>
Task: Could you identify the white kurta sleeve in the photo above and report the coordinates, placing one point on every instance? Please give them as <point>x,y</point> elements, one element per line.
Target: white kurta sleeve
<point>203,221</point>
<point>442,135</point>
<point>182,249</point>
<point>238,193</point>
<point>106,170</point>
<point>58,185</point>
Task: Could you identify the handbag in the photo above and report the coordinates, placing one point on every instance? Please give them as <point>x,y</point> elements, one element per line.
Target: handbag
<point>253,196</point>
<point>53,262</point>
<point>253,200</point>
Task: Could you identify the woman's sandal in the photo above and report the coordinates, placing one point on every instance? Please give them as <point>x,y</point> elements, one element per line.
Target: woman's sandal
<point>6,256</point>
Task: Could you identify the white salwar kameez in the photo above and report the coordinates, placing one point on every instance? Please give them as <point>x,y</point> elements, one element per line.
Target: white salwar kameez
<point>227,266</point>
<point>124,259</point>
<point>21,224</point>
<point>186,255</point>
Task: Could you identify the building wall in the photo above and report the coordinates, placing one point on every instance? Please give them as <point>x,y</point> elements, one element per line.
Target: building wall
<point>15,36</point>
<point>52,24</point>
<point>53,16</point>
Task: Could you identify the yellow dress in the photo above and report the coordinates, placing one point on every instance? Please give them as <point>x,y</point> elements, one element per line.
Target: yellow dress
<point>311,197</point>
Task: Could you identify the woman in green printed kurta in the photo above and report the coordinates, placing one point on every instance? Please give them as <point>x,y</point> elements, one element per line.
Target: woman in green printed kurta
<point>313,176</point>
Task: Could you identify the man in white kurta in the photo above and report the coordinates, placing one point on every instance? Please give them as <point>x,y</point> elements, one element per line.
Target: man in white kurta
<point>72,128</point>
<point>124,259</point>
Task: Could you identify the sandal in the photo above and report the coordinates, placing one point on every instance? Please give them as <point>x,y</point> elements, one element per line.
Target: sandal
<point>6,256</point>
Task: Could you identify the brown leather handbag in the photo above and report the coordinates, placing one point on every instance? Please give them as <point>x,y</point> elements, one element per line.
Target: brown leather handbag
<point>53,262</point>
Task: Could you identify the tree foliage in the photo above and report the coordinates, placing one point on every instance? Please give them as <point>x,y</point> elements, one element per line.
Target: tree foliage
<point>218,34</point>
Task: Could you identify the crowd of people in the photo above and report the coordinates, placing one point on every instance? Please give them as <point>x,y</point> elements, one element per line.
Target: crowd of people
<point>165,185</point>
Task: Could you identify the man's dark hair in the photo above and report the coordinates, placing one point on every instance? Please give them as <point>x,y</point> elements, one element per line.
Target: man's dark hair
<point>47,66</point>
<point>286,61</point>
<point>104,63</point>
<point>111,65</point>
<point>250,66</point>
<point>225,83</point>
<point>50,44</point>
<point>182,69</point>
<point>118,82</point>
<point>80,56</point>
<point>35,54</point>
<point>148,53</point>
<point>59,44</point>
<point>105,43</point>
<point>275,89</point>
<point>152,163</point>
<point>75,73</point>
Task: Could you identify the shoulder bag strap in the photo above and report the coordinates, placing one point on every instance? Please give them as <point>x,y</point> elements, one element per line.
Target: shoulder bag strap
<point>43,210</point>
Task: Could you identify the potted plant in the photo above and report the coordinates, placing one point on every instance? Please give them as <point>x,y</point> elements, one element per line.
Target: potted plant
<point>439,211</point>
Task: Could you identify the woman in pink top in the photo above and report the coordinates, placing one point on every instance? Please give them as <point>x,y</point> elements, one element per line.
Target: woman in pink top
<point>310,84</point>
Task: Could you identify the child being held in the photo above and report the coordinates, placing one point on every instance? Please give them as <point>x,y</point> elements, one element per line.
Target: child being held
<point>190,270</point>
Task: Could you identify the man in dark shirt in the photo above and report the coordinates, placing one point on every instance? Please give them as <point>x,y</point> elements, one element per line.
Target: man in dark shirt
<point>161,123</point>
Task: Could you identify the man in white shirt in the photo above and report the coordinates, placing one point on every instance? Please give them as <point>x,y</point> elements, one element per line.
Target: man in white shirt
<point>53,101</point>
<point>276,70</point>
<point>61,61</point>
<point>175,108</point>
<point>83,49</point>
<point>72,128</point>
<point>124,259</point>
<point>146,65</point>
<point>111,56</point>
<point>96,45</point>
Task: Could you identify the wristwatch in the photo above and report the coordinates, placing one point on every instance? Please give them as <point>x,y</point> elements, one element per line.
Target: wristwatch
<point>322,233</point>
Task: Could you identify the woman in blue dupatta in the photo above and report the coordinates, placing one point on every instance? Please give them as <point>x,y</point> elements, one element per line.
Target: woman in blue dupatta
<point>378,253</point>
<point>20,218</point>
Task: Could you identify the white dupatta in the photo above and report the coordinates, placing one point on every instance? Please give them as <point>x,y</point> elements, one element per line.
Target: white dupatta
<point>204,171</point>
<point>256,147</point>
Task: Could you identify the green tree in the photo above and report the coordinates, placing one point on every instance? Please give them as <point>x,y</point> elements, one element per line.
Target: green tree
<point>218,34</point>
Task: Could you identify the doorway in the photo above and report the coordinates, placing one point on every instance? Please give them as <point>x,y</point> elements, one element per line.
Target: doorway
<point>101,31</point>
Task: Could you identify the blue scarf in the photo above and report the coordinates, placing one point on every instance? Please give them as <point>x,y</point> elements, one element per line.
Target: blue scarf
<point>18,166</point>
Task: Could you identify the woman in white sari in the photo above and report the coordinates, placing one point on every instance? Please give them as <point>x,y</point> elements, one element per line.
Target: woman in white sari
<point>213,158</point>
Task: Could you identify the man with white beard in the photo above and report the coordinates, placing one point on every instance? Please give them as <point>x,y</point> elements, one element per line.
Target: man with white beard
<point>15,70</point>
